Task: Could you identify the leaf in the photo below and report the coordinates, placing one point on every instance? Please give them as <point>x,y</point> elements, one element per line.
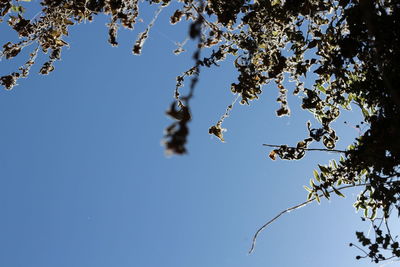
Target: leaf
<point>283,111</point>
<point>337,192</point>
<point>312,44</point>
<point>363,172</point>
<point>317,198</point>
<point>217,130</point>
<point>19,9</point>
<point>275,2</point>
<point>334,164</point>
<point>68,22</point>
<point>308,189</point>
<point>323,169</point>
<point>365,112</point>
<point>326,193</point>
<point>272,155</point>
<point>321,88</point>
<point>373,215</point>
<point>316,175</point>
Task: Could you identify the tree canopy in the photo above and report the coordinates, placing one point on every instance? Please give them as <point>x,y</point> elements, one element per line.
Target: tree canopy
<point>351,47</point>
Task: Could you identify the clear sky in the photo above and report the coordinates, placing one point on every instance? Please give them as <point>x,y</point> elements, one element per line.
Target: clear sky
<point>84,181</point>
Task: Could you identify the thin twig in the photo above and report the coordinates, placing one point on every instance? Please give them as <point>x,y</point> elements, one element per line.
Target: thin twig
<point>212,25</point>
<point>309,149</point>
<point>253,244</point>
<point>228,109</point>
<point>366,254</point>
<point>388,229</point>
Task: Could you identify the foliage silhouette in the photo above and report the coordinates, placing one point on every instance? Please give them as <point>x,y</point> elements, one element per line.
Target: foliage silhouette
<point>352,46</point>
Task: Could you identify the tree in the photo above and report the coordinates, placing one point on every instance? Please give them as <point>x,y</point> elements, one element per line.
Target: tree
<point>350,46</point>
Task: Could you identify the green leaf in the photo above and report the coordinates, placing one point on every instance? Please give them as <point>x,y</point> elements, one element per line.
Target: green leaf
<point>351,147</point>
<point>19,9</point>
<point>317,198</point>
<point>363,172</point>
<point>373,215</point>
<point>308,189</point>
<point>321,88</point>
<point>323,169</point>
<point>334,164</point>
<point>316,176</point>
<point>337,192</point>
<point>326,193</point>
<point>365,112</point>
<point>275,2</point>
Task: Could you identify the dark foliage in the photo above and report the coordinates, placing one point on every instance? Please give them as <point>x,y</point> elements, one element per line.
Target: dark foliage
<point>352,46</point>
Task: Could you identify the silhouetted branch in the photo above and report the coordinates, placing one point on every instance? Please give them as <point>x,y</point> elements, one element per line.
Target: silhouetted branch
<point>309,149</point>
<point>210,24</point>
<point>253,244</point>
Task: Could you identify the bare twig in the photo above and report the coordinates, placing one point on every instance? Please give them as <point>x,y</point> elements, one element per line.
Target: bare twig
<point>366,254</point>
<point>210,24</point>
<point>253,244</point>
<point>305,203</point>
<point>388,229</point>
<point>228,109</point>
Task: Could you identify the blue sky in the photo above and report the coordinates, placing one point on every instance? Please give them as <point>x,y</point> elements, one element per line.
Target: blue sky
<point>84,181</point>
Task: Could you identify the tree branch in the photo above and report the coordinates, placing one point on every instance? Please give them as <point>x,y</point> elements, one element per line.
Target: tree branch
<point>309,149</point>
<point>210,24</point>
<point>305,203</point>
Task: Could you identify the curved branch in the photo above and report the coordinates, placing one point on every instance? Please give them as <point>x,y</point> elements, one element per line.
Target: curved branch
<point>253,244</point>
<point>305,203</point>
